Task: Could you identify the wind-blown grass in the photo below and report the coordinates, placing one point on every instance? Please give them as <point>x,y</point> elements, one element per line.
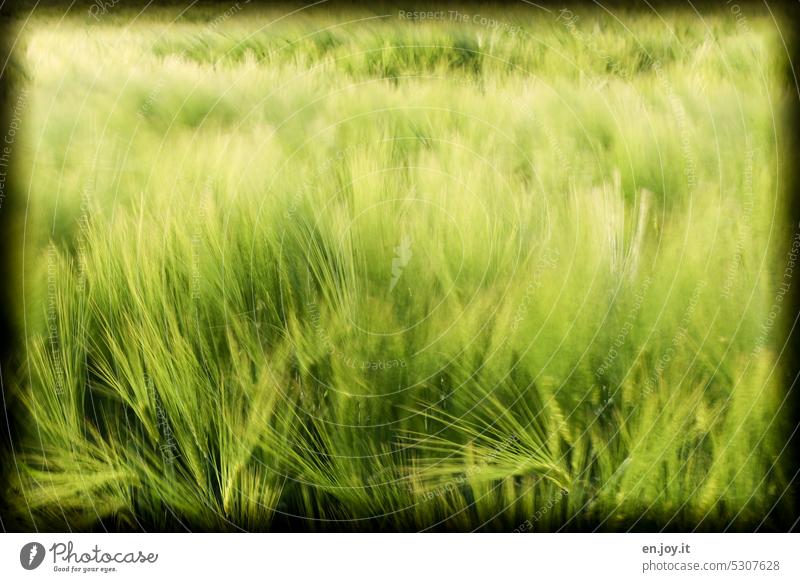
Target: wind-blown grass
<point>350,272</point>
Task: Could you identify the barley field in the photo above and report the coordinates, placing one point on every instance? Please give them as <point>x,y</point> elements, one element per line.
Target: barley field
<point>339,268</point>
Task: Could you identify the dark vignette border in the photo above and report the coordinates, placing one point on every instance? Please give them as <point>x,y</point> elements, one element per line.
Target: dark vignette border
<point>787,18</point>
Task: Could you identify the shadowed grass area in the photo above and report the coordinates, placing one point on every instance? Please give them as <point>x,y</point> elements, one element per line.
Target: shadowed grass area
<point>347,270</point>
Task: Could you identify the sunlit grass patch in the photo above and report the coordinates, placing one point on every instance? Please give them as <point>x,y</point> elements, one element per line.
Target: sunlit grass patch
<point>369,274</point>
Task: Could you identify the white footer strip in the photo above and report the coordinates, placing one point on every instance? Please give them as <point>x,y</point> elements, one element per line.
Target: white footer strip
<point>400,557</point>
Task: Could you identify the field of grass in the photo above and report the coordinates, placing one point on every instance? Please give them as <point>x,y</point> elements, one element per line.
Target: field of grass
<point>501,269</point>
